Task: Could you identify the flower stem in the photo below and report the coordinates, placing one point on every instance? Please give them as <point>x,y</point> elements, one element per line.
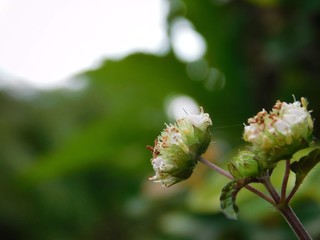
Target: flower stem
<point>228,175</point>
<point>293,222</point>
<point>267,183</point>
<point>215,167</point>
<point>280,203</point>
<point>283,206</point>
<point>260,194</point>
<point>293,191</point>
<point>285,181</point>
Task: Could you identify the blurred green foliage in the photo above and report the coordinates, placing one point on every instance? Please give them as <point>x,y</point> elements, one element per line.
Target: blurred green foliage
<point>74,163</point>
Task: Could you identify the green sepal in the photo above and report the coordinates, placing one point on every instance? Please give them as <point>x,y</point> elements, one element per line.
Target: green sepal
<point>204,139</point>
<point>305,160</point>
<point>228,197</point>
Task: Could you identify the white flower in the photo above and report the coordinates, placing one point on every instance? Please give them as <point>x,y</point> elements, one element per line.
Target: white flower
<point>176,149</point>
<point>286,129</point>
<point>201,121</point>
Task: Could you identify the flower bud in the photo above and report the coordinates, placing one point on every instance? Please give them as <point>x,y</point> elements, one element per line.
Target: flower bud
<point>176,150</point>
<point>244,165</point>
<point>280,133</point>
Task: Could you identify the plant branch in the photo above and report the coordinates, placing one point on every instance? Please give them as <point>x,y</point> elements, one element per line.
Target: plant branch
<point>215,167</point>
<point>294,222</point>
<point>280,203</point>
<point>260,194</point>
<point>267,183</point>
<point>285,181</point>
<point>293,191</point>
<point>228,175</point>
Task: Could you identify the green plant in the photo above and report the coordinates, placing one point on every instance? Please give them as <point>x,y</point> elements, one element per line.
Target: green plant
<point>283,134</point>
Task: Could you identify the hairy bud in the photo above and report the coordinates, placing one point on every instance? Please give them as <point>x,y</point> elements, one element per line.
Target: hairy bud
<point>176,150</point>
<point>243,165</point>
<point>281,132</point>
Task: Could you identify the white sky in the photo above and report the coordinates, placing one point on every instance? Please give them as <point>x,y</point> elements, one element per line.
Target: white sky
<point>46,41</point>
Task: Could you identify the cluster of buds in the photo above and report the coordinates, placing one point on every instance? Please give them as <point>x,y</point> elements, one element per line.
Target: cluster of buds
<point>280,133</point>
<point>273,136</point>
<point>176,150</point>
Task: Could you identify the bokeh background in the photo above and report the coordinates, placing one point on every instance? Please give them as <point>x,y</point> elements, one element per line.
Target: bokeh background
<point>73,162</point>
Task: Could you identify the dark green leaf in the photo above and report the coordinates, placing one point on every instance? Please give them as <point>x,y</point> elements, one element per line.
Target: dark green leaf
<point>228,197</point>
<point>227,200</point>
<point>306,160</point>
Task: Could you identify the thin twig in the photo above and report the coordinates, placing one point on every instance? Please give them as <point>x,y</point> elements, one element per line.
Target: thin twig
<point>260,194</point>
<point>283,207</point>
<point>228,175</point>
<point>215,167</point>
<point>293,191</point>
<point>285,181</point>
<point>267,183</point>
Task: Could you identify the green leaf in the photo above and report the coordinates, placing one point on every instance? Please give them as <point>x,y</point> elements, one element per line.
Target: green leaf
<point>227,200</point>
<point>306,160</point>
<point>228,197</point>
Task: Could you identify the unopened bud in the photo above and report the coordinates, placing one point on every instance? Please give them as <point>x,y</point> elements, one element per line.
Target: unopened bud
<point>244,165</point>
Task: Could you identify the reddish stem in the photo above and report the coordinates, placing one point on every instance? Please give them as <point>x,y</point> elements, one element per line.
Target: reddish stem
<point>228,175</point>
<point>285,181</point>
